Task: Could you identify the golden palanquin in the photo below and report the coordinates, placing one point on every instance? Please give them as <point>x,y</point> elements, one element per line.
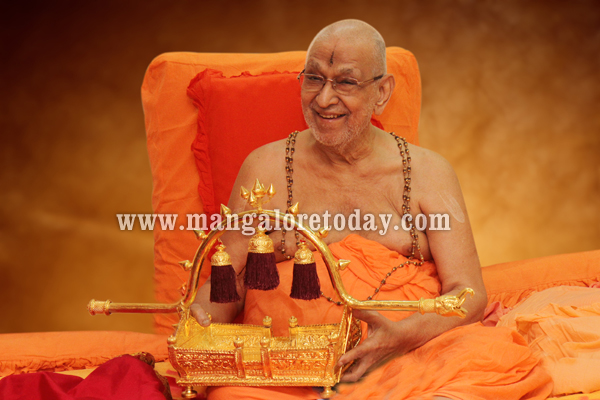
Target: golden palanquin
<point>249,355</point>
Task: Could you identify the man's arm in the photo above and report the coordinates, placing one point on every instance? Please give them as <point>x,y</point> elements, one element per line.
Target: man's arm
<point>458,267</point>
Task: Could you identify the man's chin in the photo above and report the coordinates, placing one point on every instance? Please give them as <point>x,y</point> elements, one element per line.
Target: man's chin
<point>331,138</point>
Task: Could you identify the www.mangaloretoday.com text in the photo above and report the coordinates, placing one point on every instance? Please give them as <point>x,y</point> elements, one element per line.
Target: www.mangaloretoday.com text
<point>248,222</point>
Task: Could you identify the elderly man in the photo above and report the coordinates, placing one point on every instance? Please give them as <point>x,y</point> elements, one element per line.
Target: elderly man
<point>342,163</point>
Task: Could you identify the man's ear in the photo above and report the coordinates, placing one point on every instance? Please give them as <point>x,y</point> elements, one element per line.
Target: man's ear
<point>386,88</point>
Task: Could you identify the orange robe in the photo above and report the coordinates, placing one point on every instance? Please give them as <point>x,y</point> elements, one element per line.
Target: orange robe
<point>468,362</point>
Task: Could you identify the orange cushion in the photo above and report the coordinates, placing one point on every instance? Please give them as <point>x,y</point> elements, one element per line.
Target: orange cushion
<point>562,327</point>
<point>235,116</point>
<point>171,126</point>
<point>510,283</point>
<point>60,351</point>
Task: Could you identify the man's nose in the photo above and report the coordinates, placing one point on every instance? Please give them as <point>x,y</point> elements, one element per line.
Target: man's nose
<point>327,96</point>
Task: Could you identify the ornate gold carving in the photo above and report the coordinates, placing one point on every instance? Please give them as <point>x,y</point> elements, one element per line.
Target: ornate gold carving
<point>220,257</point>
<point>260,243</point>
<point>447,305</point>
<point>218,363</point>
<point>303,255</point>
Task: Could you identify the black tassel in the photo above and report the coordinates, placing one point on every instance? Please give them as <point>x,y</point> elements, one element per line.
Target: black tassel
<point>222,278</point>
<point>261,267</point>
<point>305,282</point>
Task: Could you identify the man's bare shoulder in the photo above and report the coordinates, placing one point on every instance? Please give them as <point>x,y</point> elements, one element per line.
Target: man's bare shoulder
<point>266,153</point>
<point>267,163</point>
<point>430,167</point>
<point>435,184</point>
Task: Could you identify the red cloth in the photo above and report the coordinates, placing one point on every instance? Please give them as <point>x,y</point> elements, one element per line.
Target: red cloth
<point>122,378</point>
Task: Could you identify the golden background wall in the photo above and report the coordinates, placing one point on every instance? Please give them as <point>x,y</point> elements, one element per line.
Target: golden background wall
<point>511,97</point>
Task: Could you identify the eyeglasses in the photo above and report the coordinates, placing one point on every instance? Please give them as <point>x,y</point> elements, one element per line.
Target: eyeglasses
<point>342,85</point>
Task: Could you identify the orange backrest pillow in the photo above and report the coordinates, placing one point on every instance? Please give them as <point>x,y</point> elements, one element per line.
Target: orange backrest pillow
<point>232,123</point>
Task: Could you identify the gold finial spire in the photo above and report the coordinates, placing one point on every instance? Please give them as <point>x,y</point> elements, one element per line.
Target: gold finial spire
<point>225,210</point>
<point>186,265</point>
<point>294,209</point>
<point>244,193</point>
<point>342,264</point>
<point>256,197</point>
<point>200,235</point>
<point>323,232</point>
<point>271,192</point>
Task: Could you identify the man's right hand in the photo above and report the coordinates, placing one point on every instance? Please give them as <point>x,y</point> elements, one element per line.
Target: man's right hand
<point>201,316</point>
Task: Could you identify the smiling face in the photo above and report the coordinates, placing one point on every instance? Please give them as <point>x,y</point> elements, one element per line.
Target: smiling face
<point>336,120</point>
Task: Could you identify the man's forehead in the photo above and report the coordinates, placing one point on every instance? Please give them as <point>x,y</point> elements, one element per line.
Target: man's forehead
<point>342,60</point>
<point>339,68</point>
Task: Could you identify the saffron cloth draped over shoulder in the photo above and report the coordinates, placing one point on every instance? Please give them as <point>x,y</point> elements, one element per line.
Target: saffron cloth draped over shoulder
<point>468,362</point>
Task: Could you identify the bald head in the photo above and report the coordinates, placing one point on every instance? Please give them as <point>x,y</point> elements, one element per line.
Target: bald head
<point>359,33</point>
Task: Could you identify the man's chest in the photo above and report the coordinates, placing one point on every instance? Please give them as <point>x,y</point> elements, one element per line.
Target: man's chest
<point>372,210</point>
